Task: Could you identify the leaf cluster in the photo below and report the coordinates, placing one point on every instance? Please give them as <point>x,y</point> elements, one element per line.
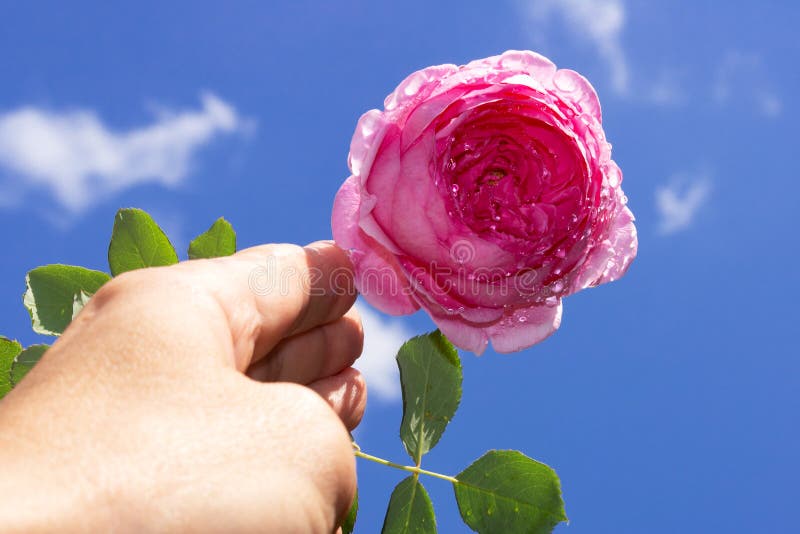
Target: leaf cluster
<point>502,492</point>
<point>55,294</point>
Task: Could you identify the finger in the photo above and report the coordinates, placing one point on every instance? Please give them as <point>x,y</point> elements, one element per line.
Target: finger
<point>271,292</point>
<point>317,353</point>
<point>299,289</point>
<point>346,392</point>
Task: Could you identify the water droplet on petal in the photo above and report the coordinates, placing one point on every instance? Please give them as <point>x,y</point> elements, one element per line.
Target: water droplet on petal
<point>522,319</point>
<point>614,176</point>
<point>454,188</point>
<point>412,86</point>
<point>564,81</point>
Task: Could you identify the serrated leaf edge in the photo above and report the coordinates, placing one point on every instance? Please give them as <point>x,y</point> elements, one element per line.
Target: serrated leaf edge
<point>16,361</point>
<point>559,519</point>
<point>221,220</point>
<point>451,354</point>
<point>119,215</point>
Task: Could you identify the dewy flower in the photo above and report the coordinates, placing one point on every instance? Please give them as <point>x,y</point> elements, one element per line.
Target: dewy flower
<point>484,194</point>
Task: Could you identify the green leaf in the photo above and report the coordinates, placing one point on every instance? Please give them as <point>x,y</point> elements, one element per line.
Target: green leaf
<point>505,491</point>
<point>25,361</point>
<point>52,292</point>
<point>8,351</point>
<point>430,374</point>
<point>410,510</point>
<point>138,242</point>
<point>217,241</point>
<point>78,303</point>
<point>350,521</point>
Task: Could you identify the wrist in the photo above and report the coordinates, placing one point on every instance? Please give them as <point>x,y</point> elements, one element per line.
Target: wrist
<point>45,488</point>
<point>39,502</point>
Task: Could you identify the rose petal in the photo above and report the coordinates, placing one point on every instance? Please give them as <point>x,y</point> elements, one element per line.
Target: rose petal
<point>577,90</point>
<point>367,138</point>
<point>422,116</point>
<point>406,192</point>
<point>495,69</point>
<point>522,328</point>
<point>444,296</point>
<point>378,276</point>
<point>525,327</point>
<point>386,172</point>
<point>525,61</point>
<point>417,86</point>
<point>609,260</point>
<point>464,335</point>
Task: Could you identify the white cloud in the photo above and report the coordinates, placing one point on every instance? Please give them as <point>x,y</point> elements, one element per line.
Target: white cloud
<point>769,104</point>
<point>742,79</point>
<point>679,202</point>
<point>666,89</point>
<point>81,160</point>
<point>383,336</point>
<point>600,22</point>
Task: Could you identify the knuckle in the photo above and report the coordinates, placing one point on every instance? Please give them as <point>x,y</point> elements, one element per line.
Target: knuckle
<point>358,336</point>
<point>118,287</point>
<point>319,414</point>
<point>272,250</point>
<point>309,402</point>
<point>140,283</point>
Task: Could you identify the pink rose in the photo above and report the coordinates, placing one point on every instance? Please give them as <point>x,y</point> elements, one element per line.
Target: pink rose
<point>484,194</point>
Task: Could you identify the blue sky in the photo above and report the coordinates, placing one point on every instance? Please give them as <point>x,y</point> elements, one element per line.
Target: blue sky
<point>667,401</point>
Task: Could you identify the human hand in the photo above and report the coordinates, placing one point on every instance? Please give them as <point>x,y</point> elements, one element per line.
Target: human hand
<point>177,401</point>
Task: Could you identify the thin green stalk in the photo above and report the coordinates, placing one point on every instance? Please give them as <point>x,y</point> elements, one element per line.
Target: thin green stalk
<point>409,468</point>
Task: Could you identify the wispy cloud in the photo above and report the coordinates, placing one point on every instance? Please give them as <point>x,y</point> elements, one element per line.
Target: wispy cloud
<point>599,22</point>
<point>80,160</point>
<point>742,78</point>
<point>383,336</point>
<point>770,104</point>
<point>667,88</point>
<point>679,202</point>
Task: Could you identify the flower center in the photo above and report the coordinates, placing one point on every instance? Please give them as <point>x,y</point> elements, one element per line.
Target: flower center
<point>512,177</point>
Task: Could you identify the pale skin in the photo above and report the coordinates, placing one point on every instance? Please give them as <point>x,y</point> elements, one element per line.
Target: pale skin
<point>181,400</point>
